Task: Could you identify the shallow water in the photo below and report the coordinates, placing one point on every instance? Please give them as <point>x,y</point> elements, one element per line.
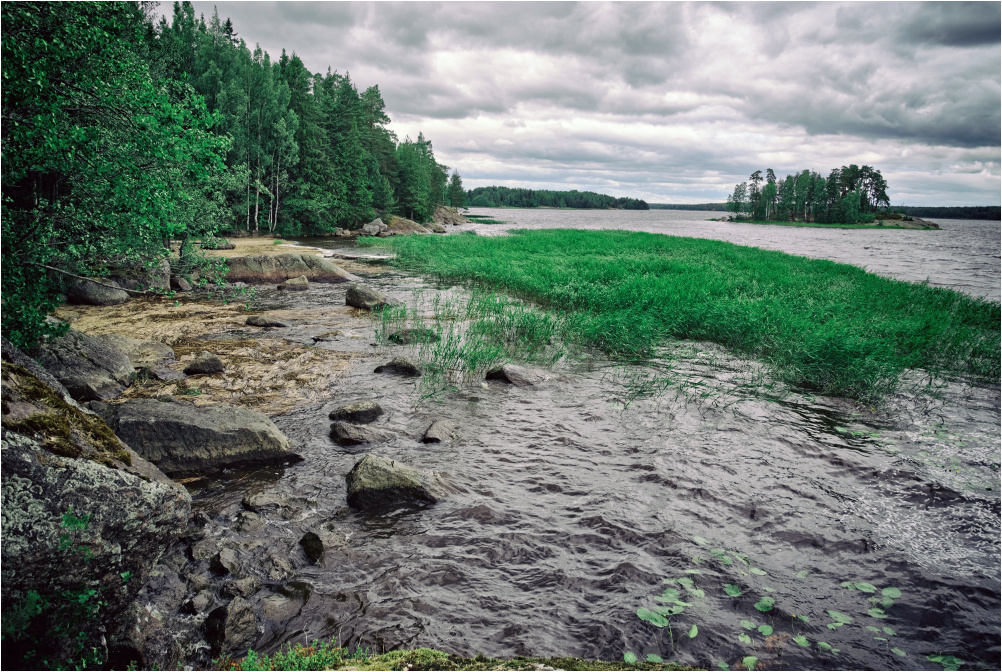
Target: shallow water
<point>572,503</point>
<point>962,255</point>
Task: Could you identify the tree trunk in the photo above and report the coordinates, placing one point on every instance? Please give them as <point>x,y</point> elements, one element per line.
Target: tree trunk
<point>257,198</point>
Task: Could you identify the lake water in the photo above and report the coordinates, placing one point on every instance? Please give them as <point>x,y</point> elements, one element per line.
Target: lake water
<point>963,255</point>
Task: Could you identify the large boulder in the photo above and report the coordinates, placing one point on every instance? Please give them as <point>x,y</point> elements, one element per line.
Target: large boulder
<point>87,366</point>
<point>205,363</point>
<point>231,629</point>
<point>81,513</point>
<point>373,228</point>
<point>185,440</point>
<point>400,226</point>
<point>300,284</point>
<point>140,353</point>
<point>96,293</point>
<point>363,296</point>
<point>377,482</point>
<point>276,268</point>
<point>449,216</point>
<point>142,275</point>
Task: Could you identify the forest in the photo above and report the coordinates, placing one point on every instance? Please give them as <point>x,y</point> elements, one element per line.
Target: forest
<point>507,197</point>
<point>849,195</point>
<point>122,134</point>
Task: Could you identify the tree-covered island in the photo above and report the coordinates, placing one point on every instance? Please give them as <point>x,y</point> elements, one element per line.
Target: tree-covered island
<point>507,197</point>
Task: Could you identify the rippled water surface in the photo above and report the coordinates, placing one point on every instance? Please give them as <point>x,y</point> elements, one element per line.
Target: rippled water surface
<point>806,531</point>
<point>962,255</point>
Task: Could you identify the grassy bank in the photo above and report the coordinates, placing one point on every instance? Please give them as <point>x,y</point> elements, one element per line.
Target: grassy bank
<point>320,656</point>
<point>819,324</point>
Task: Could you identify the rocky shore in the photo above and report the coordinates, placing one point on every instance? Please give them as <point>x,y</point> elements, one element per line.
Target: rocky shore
<point>145,394</point>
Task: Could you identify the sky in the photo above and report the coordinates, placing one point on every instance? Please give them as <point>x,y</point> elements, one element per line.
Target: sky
<point>670,102</point>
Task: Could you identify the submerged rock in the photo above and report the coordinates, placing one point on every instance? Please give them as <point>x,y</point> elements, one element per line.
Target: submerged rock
<point>400,366</point>
<point>87,366</point>
<point>265,321</point>
<point>347,434</point>
<point>361,412</point>
<point>439,431</point>
<point>96,293</point>
<point>363,296</point>
<point>377,482</point>
<point>416,335</point>
<point>186,440</point>
<point>276,268</point>
<point>517,375</point>
<point>205,363</point>
<point>300,284</point>
<point>313,547</point>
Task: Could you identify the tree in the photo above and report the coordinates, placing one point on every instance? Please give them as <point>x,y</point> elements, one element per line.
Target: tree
<point>736,201</point>
<point>457,196</point>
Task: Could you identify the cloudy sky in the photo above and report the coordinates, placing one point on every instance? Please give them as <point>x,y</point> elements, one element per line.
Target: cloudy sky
<point>670,102</point>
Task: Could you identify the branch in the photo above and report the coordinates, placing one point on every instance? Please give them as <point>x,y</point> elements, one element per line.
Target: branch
<point>146,292</point>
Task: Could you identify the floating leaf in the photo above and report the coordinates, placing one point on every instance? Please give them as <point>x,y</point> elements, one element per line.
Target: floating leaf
<point>749,662</point>
<point>693,631</point>
<point>669,580</point>
<point>834,626</point>
<point>700,540</point>
<point>691,571</point>
<point>686,581</point>
<point>670,594</point>
<point>843,430</point>
<point>839,616</point>
<point>824,646</point>
<point>698,592</point>
<point>652,617</point>
<point>744,638</point>
<point>800,639</point>
<point>865,587</point>
<point>630,657</point>
<point>805,619</point>
<point>802,574</point>
<point>758,572</point>
<point>880,639</point>
<point>766,630</point>
<point>748,625</point>
<point>675,610</point>
<point>876,612</point>
<point>898,652</point>
<point>888,630</point>
<point>884,602</point>
<point>732,590</point>
<point>848,584</point>
<point>873,628</point>
<point>891,592</point>
<point>742,557</point>
<point>765,604</point>
<point>722,665</point>
<point>654,658</point>
<point>768,589</point>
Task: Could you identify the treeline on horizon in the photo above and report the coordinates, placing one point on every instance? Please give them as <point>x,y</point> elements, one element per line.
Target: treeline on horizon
<point>989,212</point>
<point>508,197</point>
<point>122,134</point>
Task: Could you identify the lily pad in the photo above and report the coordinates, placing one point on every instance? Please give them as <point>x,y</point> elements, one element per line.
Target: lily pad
<point>693,631</point>
<point>744,638</point>
<point>758,572</point>
<point>891,592</point>
<point>839,616</point>
<point>765,604</point>
<point>765,629</point>
<point>887,630</point>
<point>749,662</point>
<point>654,658</point>
<point>652,617</point>
<point>748,625</point>
<point>732,590</point>
<point>801,640</point>
<point>876,612</point>
<point>630,657</point>
<point>898,652</point>
<point>865,587</point>
<point>700,540</point>
<point>802,574</point>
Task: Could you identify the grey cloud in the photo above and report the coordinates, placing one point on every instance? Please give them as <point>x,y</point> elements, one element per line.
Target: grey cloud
<point>954,24</point>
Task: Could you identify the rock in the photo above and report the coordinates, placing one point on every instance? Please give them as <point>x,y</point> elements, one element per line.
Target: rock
<point>377,482</point>
<point>300,284</point>
<point>313,547</point>
<point>186,440</point>
<point>326,337</point>
<point>140,353</point>
<point>248,521</point>
<point>373,228</point>
<point>363,296</point>
<point>361,412</point>
<point>142,275</point>
<point>276,564</point>
<point>449,216</point>
<point>86,365</point>
<point>276,268</point>
<point>265,321</point>
<point>435,227</point>
<point>198,604</point>
<point>231,629</point>
<point>179,284</point>
<point>161,373</point>
<point>275,503</point>
<point>344,233</point>
<point>418,335</point>
<point>72,490</point>
<point>399,226</point>
<point>205,363</point>
<point>517,375</point>
<point>439,431</point>
<point>347,434</point>
<point>278,608</point>
<point>225,562</point>
<point>400,366</point>
<point>240,587</point>
<point>96,292</point>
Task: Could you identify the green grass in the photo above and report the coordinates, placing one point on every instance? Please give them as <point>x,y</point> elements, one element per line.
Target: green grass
<point>320,656</point>
<point>818,324</point>
<point>483,219</point>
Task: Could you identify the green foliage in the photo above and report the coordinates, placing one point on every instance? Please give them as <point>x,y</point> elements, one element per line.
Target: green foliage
<point>507,197</point>
<point>821,325</point>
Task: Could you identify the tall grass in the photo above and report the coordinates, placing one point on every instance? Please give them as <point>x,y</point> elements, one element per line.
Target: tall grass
<point>819,324</point>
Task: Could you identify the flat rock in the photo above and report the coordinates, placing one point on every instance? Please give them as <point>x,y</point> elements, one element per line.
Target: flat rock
<point>187,440</point>
<point>265,321</point>
<point>96,293</point>
<point>326,337</point>
<point>347,434</point>
<point>377,482</point>
<point>400,366</point>
<point>205,363</point>
<point>440,431</point>
<point>361,412</point>
<point>275,268</point>
<point>300,284</point>
<point>363,296</point>
<point>415,335</point>
<point>140,353</point>
<point>87,366</point>
<point>161,373</point>
<point>517,375</point>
